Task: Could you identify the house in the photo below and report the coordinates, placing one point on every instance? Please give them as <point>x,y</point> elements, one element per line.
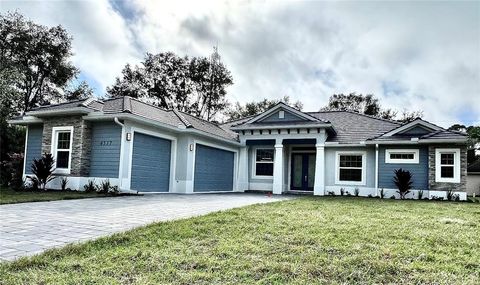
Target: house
<point>473,179</point>
<point>143,148</point>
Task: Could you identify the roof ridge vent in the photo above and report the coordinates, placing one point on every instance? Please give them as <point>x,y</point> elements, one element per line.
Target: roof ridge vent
<point>127,104</point>
<point>182,118</point>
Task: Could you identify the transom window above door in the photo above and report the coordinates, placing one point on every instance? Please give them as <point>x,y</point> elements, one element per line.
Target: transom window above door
<point>264,162</point>
<point>62,148</point>
<point>350,168</point>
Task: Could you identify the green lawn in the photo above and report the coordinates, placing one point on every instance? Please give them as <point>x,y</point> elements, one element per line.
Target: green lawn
<point>307,240</point>
<point>9,196</point>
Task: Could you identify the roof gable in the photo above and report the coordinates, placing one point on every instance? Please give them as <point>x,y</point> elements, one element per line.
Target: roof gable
<point>290,114</point>
<point>415,127</point>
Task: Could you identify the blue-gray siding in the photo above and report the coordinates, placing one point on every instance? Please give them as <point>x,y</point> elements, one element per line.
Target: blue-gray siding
<point>34,146</point>
<point>288,117</point>
<point>419,171</point>
<point>213,169</point>
<point>150,163</point>
<point>105,156</point>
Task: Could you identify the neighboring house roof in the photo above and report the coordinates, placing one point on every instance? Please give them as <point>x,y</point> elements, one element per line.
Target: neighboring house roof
<point>474,167</point>
<point>353,127</point>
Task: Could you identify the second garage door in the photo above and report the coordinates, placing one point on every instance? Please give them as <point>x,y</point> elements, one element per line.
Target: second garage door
<point>213,169</point>
<point>150,163</point>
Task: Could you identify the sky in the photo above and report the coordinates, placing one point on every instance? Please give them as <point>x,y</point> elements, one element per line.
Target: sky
<point>411,55</point>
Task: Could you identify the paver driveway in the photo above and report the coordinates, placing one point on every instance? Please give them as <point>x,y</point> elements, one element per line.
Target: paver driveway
<point>30,228</point>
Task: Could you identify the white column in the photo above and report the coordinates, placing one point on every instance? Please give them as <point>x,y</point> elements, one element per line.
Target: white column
<point>242,184</point>
<point>319,186</point>
<point>278,168</point>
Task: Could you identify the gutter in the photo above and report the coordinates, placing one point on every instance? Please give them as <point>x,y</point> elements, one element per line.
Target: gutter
<point>76,110</point>
<point>321,125</point>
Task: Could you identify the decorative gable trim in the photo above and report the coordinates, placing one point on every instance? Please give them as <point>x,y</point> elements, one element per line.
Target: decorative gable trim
<point>412,124</point>
<point>285,107</point>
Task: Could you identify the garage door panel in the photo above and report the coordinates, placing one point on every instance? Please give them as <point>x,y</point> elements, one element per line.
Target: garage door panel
<point>214,169</point>
<point>150,163</point>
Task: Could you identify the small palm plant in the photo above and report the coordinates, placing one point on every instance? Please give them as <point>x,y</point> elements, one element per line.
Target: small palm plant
<point>43,170</point>
<point>403,180</point>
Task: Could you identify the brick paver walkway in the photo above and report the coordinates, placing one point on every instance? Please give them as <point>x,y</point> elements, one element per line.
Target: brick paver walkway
<point>31,228</point>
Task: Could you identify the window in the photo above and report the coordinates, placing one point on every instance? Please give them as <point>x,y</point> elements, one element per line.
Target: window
<point>264,162</point>
<point>62,148</point>
<point>401,155</point>
<point>447,165</point>
<point>350,168</point>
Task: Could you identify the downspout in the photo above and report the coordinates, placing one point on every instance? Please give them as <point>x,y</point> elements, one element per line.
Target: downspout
<point>376,169</point>
<point>120,167</point>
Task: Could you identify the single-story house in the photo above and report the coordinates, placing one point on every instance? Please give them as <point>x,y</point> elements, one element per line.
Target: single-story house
<point>473,179</point>
<point>143,148</point>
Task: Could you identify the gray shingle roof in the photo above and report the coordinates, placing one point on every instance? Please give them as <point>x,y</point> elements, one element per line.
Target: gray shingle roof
<point>67,105</point>
<point>354,127</point>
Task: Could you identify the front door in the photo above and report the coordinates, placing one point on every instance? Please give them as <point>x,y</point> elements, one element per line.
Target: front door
<point>303,171</point>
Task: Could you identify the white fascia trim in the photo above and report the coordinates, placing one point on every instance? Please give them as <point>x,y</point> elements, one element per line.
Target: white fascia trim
<point>364,168</point>
<point>25,120</point>
<point>53,148</point>
<point>456,165</point>
<point>173,153</point>
<point>336,144</point>
<point>411,125</point>
<point>286,107</point>
<point>389,151</point>
<point>76,110</point>
<point>140,119</point>
<point>318,125</point>
<point>254,162</point>
<point>214,145</point>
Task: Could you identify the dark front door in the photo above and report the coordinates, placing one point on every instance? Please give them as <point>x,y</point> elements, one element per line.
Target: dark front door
<point>303,171</point>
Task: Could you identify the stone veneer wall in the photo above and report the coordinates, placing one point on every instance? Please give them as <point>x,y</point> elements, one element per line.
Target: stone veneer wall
<point>462,186</point>
<point>81,145</point>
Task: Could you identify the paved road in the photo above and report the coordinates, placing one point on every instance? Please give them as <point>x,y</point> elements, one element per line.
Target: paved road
<point>31,228</point>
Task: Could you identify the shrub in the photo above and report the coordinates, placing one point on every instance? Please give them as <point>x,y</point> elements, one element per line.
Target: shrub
<point>450,195</point>
<point>456,198</point>
<point>114,190</point>
<point>356,191</point>
<point>392,197</point>
<point>11,170</point>
<point>370,196</point>
<point>382,193</point>
<point>63,183</point>
<point>90,186</point>
<point>403,180</point>
<point>420,194</point>
<point>43,169</point>
<point>348,194</point>
<point>342,191</point>
<point>104,187</point>
<point>331,193</point>
<point>437,198</point>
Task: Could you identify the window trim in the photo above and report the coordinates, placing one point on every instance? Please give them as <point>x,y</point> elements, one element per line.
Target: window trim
<point>337,168</point>
<point>456,165</point>
<point>54,143</point>
<point>389,160</point>
<point>254,163</point>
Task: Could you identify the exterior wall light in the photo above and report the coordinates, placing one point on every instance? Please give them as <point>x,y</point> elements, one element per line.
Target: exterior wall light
<point>191,147</point>
<point>129,136</point>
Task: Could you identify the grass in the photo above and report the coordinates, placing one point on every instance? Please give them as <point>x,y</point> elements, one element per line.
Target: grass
<point>9,196</point>
<point>329,240</point>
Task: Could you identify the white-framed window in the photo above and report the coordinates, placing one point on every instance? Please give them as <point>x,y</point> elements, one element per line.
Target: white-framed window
<point>350,167</point>
<point>447,165</point>
<point>263,162</point>
<point>401,155</point>
<point>62,138</point>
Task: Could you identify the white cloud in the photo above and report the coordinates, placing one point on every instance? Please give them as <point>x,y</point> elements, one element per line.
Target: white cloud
<point>411,55</point>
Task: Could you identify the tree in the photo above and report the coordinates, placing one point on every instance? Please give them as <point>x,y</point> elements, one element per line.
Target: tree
<point>194,85</point>
<point>368,105</point>
<point>80,91</point>
<point>403,181</point>
<point>252,108</point>
<point>43,169</point>
<point>38,57</point>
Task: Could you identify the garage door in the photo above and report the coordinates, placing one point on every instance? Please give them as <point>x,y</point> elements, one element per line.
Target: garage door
<point>213,169</point>
<point>150,164</point>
